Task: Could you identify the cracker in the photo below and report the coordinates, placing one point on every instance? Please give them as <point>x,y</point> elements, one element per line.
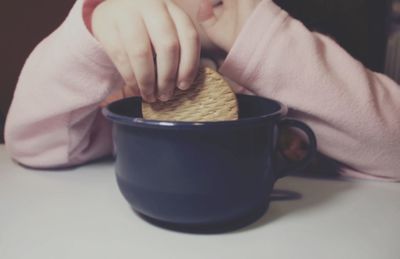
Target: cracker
<point>210,98</point>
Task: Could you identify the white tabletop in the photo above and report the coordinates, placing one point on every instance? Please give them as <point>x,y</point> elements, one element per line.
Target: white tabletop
<point>79,213</point>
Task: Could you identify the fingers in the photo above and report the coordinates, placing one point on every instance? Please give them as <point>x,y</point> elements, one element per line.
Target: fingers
<point>132,33</point>
<point>107,34</point>
<point>166,45</point>
<point>138,48</point>
<point>190,47</point>
<point>118,56</point>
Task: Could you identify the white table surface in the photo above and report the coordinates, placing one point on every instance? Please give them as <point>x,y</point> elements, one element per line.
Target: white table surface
<point>79,213</point>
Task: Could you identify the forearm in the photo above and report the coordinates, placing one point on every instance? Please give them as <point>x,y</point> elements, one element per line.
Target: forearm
<point>353,111</point>
<point>54,118</point>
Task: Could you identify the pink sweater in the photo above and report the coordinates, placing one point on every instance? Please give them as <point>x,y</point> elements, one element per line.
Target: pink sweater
<point>55,120</point>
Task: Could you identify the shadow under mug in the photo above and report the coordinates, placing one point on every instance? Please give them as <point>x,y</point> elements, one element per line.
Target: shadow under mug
<point>202,176</point>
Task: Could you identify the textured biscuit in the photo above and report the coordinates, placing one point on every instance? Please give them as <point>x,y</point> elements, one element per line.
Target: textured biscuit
<point>210,98</point>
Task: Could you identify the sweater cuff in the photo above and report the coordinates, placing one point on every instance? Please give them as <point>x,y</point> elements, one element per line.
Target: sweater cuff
<point>242,61</point>
<point>79,36</point>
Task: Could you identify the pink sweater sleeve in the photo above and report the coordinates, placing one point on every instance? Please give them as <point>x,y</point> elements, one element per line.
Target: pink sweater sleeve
<point>55,119</point>
<point>354,112</point>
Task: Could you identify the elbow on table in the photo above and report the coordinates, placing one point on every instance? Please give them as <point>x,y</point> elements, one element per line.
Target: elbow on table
<point>34,151</point>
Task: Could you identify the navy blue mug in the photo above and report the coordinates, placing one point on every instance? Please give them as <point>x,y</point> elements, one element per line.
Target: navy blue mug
<point>201,176</point>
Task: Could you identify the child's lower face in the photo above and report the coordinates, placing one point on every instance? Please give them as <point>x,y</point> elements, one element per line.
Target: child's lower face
<point>191,8</point>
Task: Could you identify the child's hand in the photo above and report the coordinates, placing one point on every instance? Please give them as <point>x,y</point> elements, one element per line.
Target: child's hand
<point>224,23</point>
<point>153,44</point>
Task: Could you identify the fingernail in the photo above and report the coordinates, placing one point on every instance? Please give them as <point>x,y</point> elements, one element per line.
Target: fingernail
<point>164,97</point>
<point>183,85</point>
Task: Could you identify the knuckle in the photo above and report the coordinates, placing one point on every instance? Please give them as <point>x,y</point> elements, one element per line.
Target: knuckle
<point>141,52</point>
<point>171,46</point>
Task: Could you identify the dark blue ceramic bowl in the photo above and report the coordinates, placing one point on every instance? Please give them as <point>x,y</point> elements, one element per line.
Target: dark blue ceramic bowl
<point>202,176</point>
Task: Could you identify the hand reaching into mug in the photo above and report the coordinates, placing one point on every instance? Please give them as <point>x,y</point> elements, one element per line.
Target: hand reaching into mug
<point>224,23</point>
<point>153,44</point>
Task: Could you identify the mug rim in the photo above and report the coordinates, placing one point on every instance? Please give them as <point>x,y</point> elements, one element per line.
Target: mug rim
<point>141,122</point>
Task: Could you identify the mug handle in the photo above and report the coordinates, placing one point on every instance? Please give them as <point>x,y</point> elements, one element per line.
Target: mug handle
<point>312,150</point>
